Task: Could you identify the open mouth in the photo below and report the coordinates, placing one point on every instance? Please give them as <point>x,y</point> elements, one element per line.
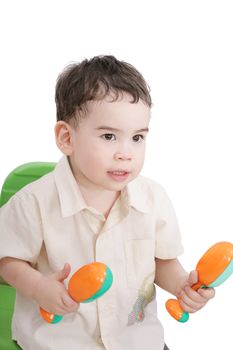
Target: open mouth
<point>119,175</point>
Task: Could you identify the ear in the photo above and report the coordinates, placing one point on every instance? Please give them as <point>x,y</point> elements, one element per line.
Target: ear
<point>63,134</point>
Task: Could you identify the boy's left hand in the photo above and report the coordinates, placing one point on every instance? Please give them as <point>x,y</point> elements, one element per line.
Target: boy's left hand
<point>190,300</point>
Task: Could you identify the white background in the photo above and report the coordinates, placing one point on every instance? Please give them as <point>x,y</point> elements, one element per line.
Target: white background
<point>185,51</point>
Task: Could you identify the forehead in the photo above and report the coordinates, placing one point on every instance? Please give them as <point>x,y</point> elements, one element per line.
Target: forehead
<point>121,112</point>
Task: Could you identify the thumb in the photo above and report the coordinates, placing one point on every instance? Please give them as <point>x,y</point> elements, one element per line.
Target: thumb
<point>193,278</point>
<point>62,274</point>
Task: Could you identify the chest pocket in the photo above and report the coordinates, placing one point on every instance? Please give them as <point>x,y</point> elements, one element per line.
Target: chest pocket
<point>140,261</point>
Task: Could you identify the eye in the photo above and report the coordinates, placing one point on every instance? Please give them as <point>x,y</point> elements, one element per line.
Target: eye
<point>138,138</point>
<point>109,137</point>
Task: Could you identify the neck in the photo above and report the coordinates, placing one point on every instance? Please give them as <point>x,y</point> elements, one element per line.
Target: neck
<point>101,200</point>
<point>95,197</point>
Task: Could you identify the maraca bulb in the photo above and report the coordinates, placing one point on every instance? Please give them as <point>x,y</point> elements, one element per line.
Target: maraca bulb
<point>215,266</point>
<point>223,277</point>
<point>105,286</point>
<point>90,282</point>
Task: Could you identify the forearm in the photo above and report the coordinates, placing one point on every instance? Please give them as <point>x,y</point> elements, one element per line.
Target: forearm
<point>48,291</point>
<point>20,275</point>
<point>170,275</point>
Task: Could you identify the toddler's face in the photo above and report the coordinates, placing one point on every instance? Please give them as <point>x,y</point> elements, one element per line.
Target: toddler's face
<point>109,143</point>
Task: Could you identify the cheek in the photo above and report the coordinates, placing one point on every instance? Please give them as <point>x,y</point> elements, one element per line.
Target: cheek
<point>92,157</point>
<point>139,161</point>
<point>140,155</point>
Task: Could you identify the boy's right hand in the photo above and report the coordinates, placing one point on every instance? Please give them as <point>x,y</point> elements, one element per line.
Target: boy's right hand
<point>50,293</point>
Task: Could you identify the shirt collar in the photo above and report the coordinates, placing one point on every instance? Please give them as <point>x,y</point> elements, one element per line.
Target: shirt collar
<point>136,196</point>
<point>72,201</point>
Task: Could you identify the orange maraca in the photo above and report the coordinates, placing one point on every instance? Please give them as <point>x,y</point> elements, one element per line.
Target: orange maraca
<point>214,267</point>
<point>87,284</point>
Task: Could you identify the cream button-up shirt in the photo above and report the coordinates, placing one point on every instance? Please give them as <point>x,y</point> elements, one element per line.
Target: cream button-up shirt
<point>48,224</point>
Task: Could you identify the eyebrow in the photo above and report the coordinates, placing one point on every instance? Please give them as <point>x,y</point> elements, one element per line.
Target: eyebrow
<point>109,128</point>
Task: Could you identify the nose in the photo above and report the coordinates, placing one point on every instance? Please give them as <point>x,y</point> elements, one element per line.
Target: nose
<point>123,151</point>
<point>122,156</point>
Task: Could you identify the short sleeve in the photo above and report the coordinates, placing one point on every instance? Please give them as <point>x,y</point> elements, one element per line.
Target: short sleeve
<point>20,228</point>
<point>168,238</point>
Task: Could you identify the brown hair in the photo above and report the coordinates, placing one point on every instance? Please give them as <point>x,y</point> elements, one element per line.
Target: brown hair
<point>94,79</point>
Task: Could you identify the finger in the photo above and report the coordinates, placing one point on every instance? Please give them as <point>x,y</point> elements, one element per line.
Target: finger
<point>207,293</point>
<point>190,306</point>
<point>191,301</point>
<point>69,303</point>
<point>63,273</point>
<point>62,309</point>
<point>193,295</point>
<point>193,278</point>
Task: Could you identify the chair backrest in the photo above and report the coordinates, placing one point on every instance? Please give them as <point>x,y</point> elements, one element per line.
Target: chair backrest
<point>17,179</point>
<point>23,175</point>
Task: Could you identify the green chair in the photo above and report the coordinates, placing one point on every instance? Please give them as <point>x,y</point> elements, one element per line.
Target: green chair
<point>17,179</point>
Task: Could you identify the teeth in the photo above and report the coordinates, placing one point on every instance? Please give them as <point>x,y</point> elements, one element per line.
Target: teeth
<point>118,172</point>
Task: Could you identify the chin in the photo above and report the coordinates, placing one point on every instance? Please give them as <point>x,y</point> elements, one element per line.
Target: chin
<point>118,186</point>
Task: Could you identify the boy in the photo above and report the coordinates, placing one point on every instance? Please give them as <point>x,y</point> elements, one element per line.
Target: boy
<point>95,206</point>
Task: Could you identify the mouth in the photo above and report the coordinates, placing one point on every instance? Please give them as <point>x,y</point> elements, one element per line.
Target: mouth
<point>119,175</point>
